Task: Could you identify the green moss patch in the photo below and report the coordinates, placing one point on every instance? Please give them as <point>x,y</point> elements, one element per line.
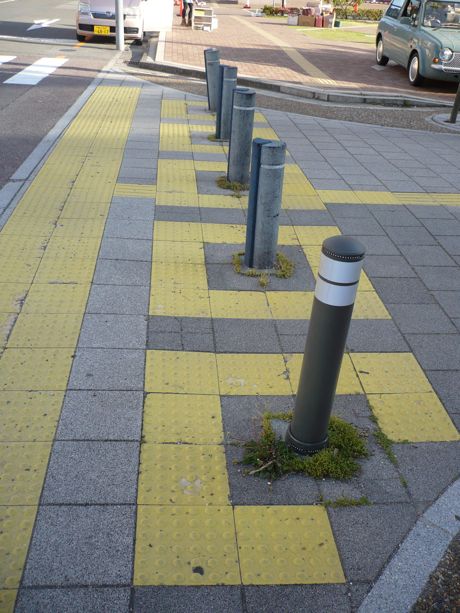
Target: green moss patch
<point>271,458</point>
<point>345,501</point>
<point>283,268</point>
<point>234,186</point>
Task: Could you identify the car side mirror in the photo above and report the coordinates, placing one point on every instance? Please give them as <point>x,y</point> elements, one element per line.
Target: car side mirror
<point>406,21</point>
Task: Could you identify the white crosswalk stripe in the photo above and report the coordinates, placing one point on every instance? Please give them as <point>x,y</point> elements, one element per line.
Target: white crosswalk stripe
<point>4,59</point>
<point>37,71</point>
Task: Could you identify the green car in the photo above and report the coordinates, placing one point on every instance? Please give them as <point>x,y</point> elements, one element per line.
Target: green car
<point>423,36</point>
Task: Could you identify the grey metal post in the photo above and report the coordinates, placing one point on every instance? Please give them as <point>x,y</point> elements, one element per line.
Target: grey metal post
<point>269,192</point>
<point>455,108</point>
<point>252,201</point>
<point>211,63</point>
<point>119,25</point>
<point>228,77</point>
<point>339,269</point>
<point>239,152</point>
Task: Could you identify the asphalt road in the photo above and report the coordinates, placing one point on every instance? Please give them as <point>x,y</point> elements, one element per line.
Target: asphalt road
<point>44,32</point>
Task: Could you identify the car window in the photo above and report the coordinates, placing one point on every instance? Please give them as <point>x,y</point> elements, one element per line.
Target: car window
<point>442,14</point>
<point>394,8</point>
<point>411,9</point>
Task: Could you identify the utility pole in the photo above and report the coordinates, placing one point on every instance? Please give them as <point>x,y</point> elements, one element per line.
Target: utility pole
<point>119,25</point>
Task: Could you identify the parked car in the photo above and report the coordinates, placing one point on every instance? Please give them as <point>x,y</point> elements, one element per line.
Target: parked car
<point>423,36</point>
<point>98,17</point>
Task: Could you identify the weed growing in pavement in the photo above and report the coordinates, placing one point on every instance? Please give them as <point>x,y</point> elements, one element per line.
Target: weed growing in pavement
<point>283,268</point>
<point>272,458</point>
<point>234,186</point>
<point>385,443</point>
<point>345,501</point>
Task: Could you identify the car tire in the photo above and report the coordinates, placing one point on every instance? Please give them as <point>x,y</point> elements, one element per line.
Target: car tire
<point>81,38</point>
<point>413,70</point>
<point>380,58</point>
<point>138,41</point>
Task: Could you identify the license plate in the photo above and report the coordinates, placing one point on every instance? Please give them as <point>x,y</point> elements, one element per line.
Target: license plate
<point>105,30</point>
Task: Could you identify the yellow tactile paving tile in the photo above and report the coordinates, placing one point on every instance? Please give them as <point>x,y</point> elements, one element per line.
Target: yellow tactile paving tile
<point>369,306</point>
<point>367,197</point>
<point>176,275</point>
<point>21,247</point>
<point>56,298</point>
<point>176,199</point>
<point>303,202</point>
<point>65,270</point>
<point>76,228</point>
<point>242,374</point>
<point>72,247</point>
<point>46,330</point>
<point>177,231</point>
<point>16,523</point>
<point>7,600</point>
<point>14,270</point>
<point>23,468</point>
<point>339,196</point>
<point>239,305</point>
<point>190,475</point>
<point>178,252</point>
<point>413,417</point>
<point>91,195</point>
<point>348,382</point>
<point>7,321</point>
<point>267,133</point>
<point>35,369</point>
<point>390,373</point>
<point>221,202</point>
<point>166,300</point>
<point>174,109</point>
<point>211,166</point>
<point>185,546</point>
<point>259,117</point>
<point>176,178</point>
<point>196,117</point>
<point>135,190</point>
<point>286,545</point>
<point>29,416</point>
<point>184,418</point>
<point>224,233</point>
<point>181,372</point>
<point>287,236</point>
<point>210,129</point>
<point>75,210</point>
<point>42,228</point>
<point>290,305</point>
<point>12,296</point>
<point>315,235</point>
<point>175,137</point>
<point>216,148</point>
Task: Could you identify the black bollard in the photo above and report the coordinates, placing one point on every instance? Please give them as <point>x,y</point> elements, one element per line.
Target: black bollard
<point>336,287</point>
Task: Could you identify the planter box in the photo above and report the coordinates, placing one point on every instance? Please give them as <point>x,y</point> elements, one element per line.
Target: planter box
<point>293,20</point>
<point>306,20</point>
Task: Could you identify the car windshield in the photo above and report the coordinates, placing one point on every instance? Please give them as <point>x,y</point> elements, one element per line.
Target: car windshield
<point>442,14</point>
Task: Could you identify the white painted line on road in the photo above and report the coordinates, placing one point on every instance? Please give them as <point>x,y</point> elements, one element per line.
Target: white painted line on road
<point>37,71</point>
<point>42,23</point>
<point>378,67</point>
<point>4,59</point>
<point>40,41</point>
<point>5,1</point>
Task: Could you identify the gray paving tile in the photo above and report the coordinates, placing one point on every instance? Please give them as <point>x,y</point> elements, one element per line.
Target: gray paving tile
<point>440,278</point>
<point>137,174</point>
<point>171,341</point>
<point>292,326</point>
<point>430,212</point>
<point>375,335</point>
<point>420,318</point>
<point>203,599</point>
<point>311,598</point>
<point>447,386</point>
<point>128,228</point>
<point>436,351</point>
<point>329,184</point>
<point>73,600</point>
<point>358,592</point>
<point>292,343</point>
<point>126,249</point>
<point>101,416</point>
<point>132,299</point>
<point>245,335</point>
<point>198,342</point>
<point>378,245</point>
<point>175,155</point>
<point>81,545</point>
<point>355,527</point>
<point>92,472</point>
<point>207,183</point>
<point>225,216</point>
<point>134,210</point>
<point>402,291</point>
<point>427,479</point>
<point>358,225</point>
<point>104,369</point>
<point>450,243</point>
<point>196,325</point>
<point>410,235</point>
<point>418,255</point>
<point>220,253</point>
<point>113,331</point>
<point>442,227</point>
<point>122,272</point>
<point>387,266</point>
<point>177,213</point>
<point>134,180</point>
<point>309,218</point>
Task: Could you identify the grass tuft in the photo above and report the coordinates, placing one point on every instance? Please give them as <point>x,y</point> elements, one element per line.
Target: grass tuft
<point>272,458</point>
<point>283,268</point>
<point>347,502</point>
<point>234,186</point>
<point>385,443</point>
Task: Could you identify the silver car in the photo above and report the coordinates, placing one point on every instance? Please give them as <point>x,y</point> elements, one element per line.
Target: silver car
<point>97,17</point>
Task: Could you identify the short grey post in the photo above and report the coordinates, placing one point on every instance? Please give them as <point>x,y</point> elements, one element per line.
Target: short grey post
<point>119,25</point>
<point>242,123</point>
<point>339,269</point>
<point>211,63</point>
<point>252,201</point>
<point>455,108</point>
<point>269,193</point>
<point>228,78</point>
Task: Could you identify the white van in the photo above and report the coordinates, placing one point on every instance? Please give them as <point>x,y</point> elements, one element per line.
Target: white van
<point>97,18</point>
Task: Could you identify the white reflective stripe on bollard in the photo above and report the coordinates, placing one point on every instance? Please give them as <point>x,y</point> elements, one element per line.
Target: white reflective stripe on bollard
<point>335,295</point>
<point>339,271</point>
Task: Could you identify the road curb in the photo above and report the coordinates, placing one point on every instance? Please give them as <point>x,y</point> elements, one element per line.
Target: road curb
<point>407,573</point>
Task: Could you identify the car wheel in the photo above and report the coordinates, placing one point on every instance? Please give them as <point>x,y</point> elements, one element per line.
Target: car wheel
<point>381,59</point>
<point>81,38</point>
<point>413,71</point>
<point>138,41</point>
